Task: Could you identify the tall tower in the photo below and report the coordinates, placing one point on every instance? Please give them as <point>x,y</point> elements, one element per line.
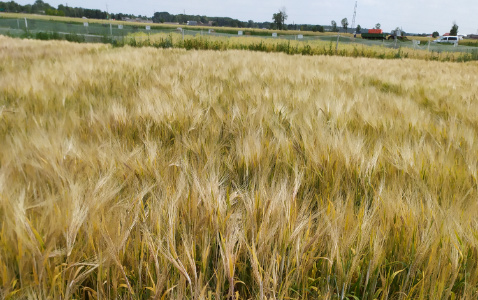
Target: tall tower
<point>355,14</point>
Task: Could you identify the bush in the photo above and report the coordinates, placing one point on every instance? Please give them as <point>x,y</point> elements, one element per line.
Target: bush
<point>47,36</point>
<point>75,38</point>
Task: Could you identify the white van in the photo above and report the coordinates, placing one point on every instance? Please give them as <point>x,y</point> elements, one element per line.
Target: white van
<point>447,39</point>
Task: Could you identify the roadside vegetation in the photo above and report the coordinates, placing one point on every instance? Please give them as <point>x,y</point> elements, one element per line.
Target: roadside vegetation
<point>347,46</point>
<point>143,172</point>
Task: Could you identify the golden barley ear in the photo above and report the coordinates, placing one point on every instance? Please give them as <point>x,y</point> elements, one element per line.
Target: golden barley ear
<point>164,173</point>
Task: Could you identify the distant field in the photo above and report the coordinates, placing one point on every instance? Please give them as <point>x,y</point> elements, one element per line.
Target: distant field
<point>254,31</point>
<point>189,37</point>
<point>469,42</point>
<point>346,46</point>
<point>464,42</point>
<point>137,173</point>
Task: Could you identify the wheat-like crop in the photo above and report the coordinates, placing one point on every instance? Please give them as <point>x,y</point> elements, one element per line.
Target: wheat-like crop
<point>164,173</point>
<point>347,46</point>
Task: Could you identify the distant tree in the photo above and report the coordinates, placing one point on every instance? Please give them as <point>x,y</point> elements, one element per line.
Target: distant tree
<point>39,3</point>
<point>279,18</point>
<point>161,17</point>
<point>320,28</point>
<point>14,7</point>
<point>435,34</point>
<point>334,26</point>
<point>454,29</point>
<point>359,29</point>
<point>377,26</point>
<point>345,24</point>
<point>40,6</point>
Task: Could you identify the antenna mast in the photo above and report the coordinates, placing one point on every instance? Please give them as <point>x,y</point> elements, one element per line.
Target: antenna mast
<point>355,14</point>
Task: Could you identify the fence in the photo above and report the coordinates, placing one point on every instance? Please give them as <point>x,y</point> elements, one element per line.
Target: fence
<point>96,32</point>
<point>92,32</point>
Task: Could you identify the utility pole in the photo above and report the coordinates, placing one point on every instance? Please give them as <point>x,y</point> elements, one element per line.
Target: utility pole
<point>355,14</point>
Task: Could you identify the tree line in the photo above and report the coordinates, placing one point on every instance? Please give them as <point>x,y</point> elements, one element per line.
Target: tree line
<point>165,17</point>
<point>278,19</point>
<point>40,7</point>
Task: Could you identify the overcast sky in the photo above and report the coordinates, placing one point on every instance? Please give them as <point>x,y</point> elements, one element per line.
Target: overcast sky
<point>416,16</point>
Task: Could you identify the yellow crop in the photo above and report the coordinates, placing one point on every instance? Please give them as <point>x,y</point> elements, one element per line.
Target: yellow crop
<point>142,172</point>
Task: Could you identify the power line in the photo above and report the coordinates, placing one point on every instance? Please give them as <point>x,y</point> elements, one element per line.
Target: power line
<point>355,14</point>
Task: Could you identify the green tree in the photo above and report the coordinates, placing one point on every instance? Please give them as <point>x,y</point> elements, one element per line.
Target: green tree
<point>435,34</point>
<point>279,18</point>
<point>359,29</point>
<point>377,26</point>
<point>161,17</point>
<point>345,24</point>
<point>334,26</point>
<point>40,6</point>
<point>454,29</point>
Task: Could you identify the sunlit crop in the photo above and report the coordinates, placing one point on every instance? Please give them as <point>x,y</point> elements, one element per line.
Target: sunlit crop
<point>163,173</point>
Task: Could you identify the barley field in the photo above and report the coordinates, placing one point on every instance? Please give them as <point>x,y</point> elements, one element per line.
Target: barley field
<point>138,173</point>
<point>347,47</point>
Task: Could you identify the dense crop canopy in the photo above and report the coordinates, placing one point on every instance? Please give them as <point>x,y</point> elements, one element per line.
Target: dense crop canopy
<point>145,172</point>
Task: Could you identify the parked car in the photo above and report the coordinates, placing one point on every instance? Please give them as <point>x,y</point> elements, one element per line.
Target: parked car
<point>447,39</point>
